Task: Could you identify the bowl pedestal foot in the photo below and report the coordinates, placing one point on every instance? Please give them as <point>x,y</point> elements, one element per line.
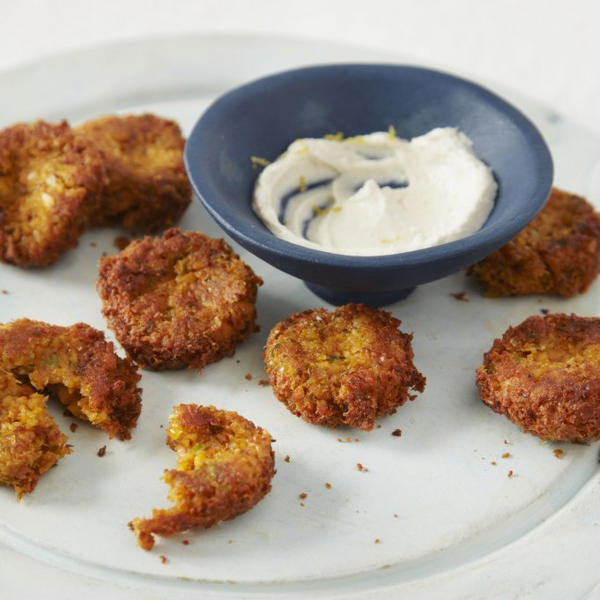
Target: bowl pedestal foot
<point>375,299</point>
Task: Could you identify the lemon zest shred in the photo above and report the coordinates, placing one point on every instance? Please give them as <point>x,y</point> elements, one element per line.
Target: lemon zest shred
<point>390,240</point>
<point>258,161</point>
<point>320,211</point>
<point>302,184</point>
<point>392,132</point>
<point>356,139</point>
<point>335,137</point>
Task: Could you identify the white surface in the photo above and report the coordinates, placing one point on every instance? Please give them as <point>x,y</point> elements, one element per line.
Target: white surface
<point>462,523</point>
<point>549,49</point>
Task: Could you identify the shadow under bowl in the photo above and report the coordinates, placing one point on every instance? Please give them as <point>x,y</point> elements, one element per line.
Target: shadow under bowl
<point>263,117</point>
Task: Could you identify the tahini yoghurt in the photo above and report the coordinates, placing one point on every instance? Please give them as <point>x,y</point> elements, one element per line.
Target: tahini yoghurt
<point>376,194</point>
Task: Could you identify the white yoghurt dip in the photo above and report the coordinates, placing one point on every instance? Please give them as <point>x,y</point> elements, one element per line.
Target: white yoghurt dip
<point>376,194</point>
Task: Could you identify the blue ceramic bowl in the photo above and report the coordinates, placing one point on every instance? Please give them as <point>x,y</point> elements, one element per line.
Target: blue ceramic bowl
<point>263,117</point>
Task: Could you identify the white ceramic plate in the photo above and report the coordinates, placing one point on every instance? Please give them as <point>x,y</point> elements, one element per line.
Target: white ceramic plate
<point>449,519</point>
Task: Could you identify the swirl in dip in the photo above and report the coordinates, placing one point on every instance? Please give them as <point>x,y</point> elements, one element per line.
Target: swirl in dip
<point>376,194</point>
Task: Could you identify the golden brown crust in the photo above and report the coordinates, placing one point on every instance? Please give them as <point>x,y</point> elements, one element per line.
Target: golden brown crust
<point>183,300</point>
<point>347,367</point>
<point>30,441</point>
<point>544,375</point>
<point>557,253</point>
<point>224,467</point>
<point>147,187</point>
<point>77,366</point>
<point>50,181</point>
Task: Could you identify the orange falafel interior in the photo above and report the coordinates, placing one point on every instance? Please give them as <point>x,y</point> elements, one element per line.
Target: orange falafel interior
<point>346,367</point>
<point>77,366</point>
<point>30,441</point>
<point>50,180</point>
<point>224,467</point>
<point>56,181</point>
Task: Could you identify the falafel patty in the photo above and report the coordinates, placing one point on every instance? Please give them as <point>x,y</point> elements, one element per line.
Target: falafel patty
<point>557,253</point>
<point>182,300</point>
<point>30,441</point>
<point>77,366</point>
<point>347,367</point>
<point>50,181</point>
<point>224,467</point>
<point>544,375</point>
<point>147,187</point>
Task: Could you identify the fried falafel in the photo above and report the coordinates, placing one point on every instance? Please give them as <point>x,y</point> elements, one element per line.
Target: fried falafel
<point>557,253</point>
<point>347,367</point>
<point>224,467</point>
<point>182,300</point>
<point>147,189</point>
<point>544,375</point>
<point>50,181</point>
<point>77,366</point>
<point>30,441</point>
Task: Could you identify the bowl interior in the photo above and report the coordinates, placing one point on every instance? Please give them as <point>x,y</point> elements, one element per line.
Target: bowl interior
<point>263,117</point>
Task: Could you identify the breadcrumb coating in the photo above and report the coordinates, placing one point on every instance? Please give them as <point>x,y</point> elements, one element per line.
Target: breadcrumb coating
<point>56,181</point>
<point>347,367</point>
<point>30,441</point>
<point>182,300</point>
<point>50,181</point>
<point>77,366</point>
<point>544,375</point>
<point>147,187</point>
<point>224,467</point>
<point>557,253</point>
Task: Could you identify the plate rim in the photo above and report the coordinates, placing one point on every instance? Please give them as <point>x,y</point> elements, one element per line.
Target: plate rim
<point>27,67</point>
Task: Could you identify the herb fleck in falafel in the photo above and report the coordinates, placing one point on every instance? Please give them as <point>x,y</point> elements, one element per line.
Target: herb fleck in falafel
<point>77,366</point>
<point>224,467</point>
<point>30,441</point>
<point>50,181</point>
<point>347,367</point>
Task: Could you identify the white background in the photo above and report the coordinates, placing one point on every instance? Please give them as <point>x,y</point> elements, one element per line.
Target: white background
<point>548,49</point>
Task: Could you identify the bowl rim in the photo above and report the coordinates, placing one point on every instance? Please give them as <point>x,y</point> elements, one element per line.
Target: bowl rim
<point>263,239</point>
